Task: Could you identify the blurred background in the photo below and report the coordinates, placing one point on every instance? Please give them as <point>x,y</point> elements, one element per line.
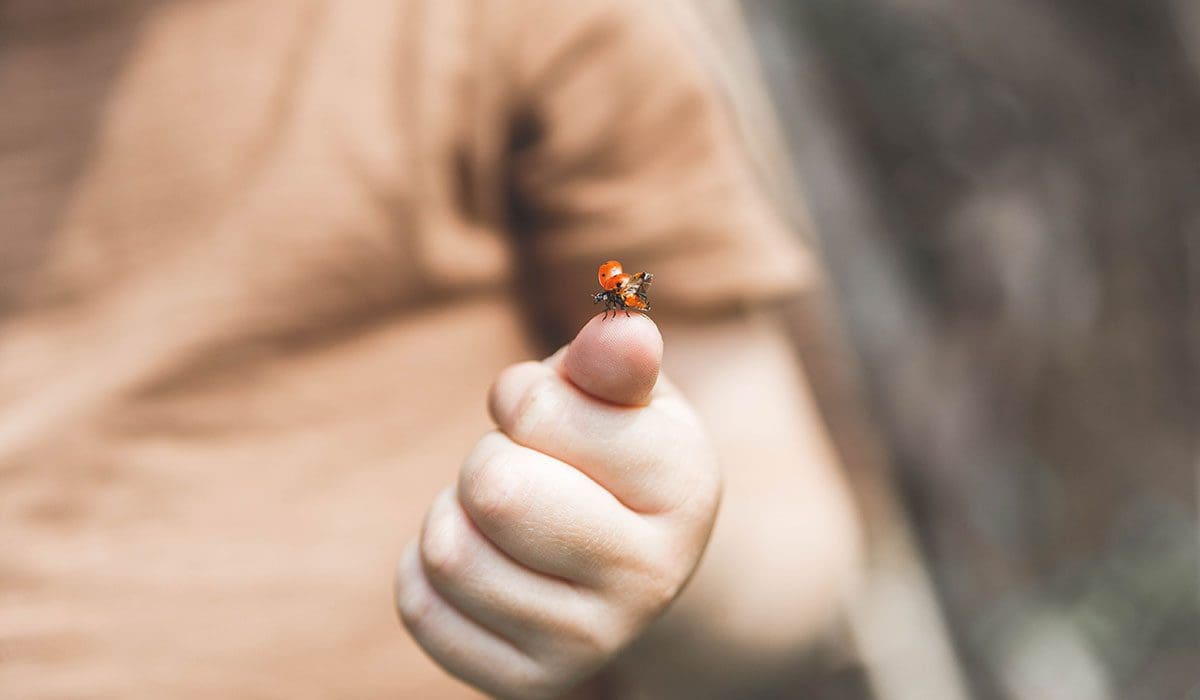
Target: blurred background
<point>1005,194</point>
<point>1006,198</point>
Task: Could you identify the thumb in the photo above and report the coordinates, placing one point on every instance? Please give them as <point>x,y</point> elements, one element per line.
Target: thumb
<point>615,359</point>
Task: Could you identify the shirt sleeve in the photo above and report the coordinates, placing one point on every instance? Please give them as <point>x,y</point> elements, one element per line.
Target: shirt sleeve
<point>623,148</point>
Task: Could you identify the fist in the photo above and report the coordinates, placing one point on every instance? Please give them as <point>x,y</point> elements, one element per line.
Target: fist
<point>573,525</point>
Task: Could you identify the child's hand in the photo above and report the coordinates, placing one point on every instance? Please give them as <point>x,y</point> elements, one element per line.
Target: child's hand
<point>572,526</point>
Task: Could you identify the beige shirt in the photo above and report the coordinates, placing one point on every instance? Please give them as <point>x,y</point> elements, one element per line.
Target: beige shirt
<point>260,260</point>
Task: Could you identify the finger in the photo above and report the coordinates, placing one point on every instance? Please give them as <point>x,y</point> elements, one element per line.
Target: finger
<point>548,515</point>
<point>461,646</point>
<point>541,615</point>
<point>616,360</point>
<point>653,459</point>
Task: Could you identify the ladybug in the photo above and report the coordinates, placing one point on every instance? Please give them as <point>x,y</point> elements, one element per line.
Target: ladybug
<point>622,291</point>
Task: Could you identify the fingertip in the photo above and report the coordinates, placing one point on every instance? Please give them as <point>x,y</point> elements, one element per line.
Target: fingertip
<point>616,359</point>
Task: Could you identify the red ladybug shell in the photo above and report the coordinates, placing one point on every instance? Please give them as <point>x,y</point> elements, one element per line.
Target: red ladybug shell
<point>608,273</point>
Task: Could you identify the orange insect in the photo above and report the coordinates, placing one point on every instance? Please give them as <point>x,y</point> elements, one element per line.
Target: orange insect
<point>622,291</point>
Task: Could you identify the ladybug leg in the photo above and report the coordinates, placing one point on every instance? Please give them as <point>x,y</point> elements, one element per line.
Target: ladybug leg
<point>597,298</point>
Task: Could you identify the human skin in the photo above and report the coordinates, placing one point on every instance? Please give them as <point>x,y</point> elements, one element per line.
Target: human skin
<point>577,523</point>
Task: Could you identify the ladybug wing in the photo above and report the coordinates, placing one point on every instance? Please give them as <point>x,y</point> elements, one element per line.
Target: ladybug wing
<point>638,284</point>
<point>634,301</point>
<point>633,294</point>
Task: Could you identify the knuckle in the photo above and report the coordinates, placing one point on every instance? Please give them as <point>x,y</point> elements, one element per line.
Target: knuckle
<point>600,637</point>
<point>519,397</point>
<point>414,605</point>
<point>660,581</point>
<point>579,633</point>
<point>491,491</point>
<point>444,551</point>
<point>597,631</point>
<point>537,406</point>
<point>538,402</point>
<point>661,589</point>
